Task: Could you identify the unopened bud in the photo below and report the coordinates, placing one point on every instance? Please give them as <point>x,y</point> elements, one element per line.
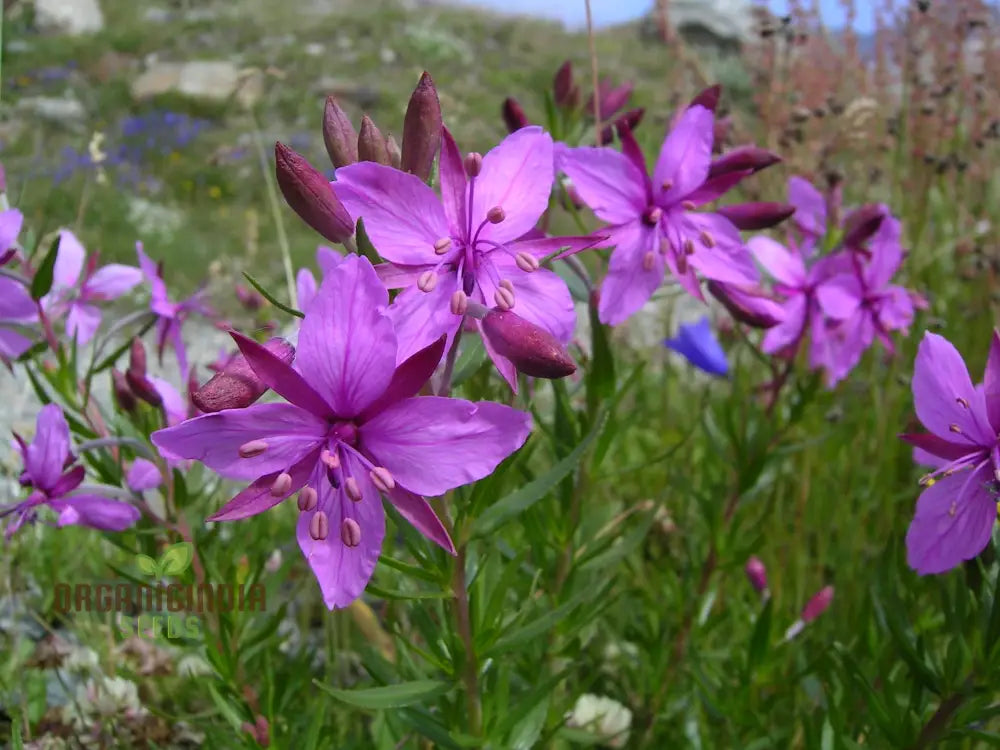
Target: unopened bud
<point>136,378</point>
<point>395,156</point>
<point>753,307</point>
<point>123,394</point>
<point>371,143</point>
<point>756,574</point>
<point>237,386</point>
<point>861,224</point>
<point>249,298</point>
<point>709,98</point>
<point>473,164</point>
<point>339,136</point>
<point>754,216</point>
<point>564,93</point>
<point>612,100</point>
<point>818,604</point>
<point>421,129</point>
<point>743,159</point>
<point>513,115</point>
<point>533,350</point>
<point>630,119</point>
<point>309,194</point>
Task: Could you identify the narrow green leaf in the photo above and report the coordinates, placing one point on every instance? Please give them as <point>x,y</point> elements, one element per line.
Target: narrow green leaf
<point>760,637</point>
<point>270,297</point>
<point>601,373</point>
<point>526,733</point>
<point>42,282</point>
<point>537,626</point>
<point>520,500</point>
<point>620,547</point>
<point>228,711</point>
<point>388,696</point>
<point>403,595</point>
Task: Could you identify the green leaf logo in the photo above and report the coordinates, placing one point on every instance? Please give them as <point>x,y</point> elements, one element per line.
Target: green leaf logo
<point>174,561</point>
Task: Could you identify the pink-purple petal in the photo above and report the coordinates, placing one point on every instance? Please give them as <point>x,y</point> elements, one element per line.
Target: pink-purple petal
<point>953,521</point>
<point>70,256</point>
<point>403,217</point>
<point>341,571</point>
<point>347,344</point>
<point>781,263</point>
<point>432,444</point>
<point>96,512</point>
<point>418,512</point>
<point>453,182</point>
<point>11,221</point>
<point>540,297</point>
<point>840,296</point>
<point>517,175</point>
<point>16,304</point>
<point>790,330</point>
<point>305,288</point>
<point>13,344</point>
<point>945,400</point>
<point>111,282</point>
<point>280,376</point>
<point>421,318</point>
<point>143,475</point>
<point>608,182</point>
<point>214,439</point>
<point>49,449</point>
<point>82,322</point>
<point>629,284</point>
<point>685,156</point>
<point>991,382</point>
<point>258,497</point>
<point>810,206</point>
<point>410,376</point>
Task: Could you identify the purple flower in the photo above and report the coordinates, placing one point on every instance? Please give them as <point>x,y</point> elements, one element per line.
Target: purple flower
<point>144,475</point>
<point>864,303</point>
<point>170,315</point>
<point>653,224</point>
<point>468,244</point>
<point>75,297</point>
<point>810,212</point>
<point>55,482</point>
<point>799,285</point>
<point>956,512</point>
<point>696,343</point>
<point>352,430</point>
<point>16,309</point>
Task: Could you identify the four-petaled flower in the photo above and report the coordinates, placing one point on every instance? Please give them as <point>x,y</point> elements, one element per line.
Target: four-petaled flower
<point>75,297</point>
<point>956,512</point>
<point>54,481</point>
<point>469,244</point>
<point>353,429</point>
<point>653,224</point>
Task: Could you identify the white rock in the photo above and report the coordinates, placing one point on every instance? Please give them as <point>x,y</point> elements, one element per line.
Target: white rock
<point>64,110</point>
<point>726,19</point>
<point>73,17</point>
<point>209,79</point>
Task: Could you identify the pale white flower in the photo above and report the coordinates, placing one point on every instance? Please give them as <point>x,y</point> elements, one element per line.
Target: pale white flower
<point>603,716</point>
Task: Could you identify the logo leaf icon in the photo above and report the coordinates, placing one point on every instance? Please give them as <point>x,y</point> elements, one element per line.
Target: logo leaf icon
<point>146,564</point>
<point>177,558</point>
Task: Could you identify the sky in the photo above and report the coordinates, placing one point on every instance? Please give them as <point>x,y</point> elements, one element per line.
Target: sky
<point>607,12</point>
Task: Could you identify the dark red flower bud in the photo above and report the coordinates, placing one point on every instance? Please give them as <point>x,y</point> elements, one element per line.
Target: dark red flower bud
<point>611,100</point>
<point>237,386</point>
<point>533,350</point>
<point>339,135</point>
<point>249,298</point>
<point>421,129</point>
<point>513,115</point>
<point>630,120</point>
<point>755,216</point>
<point>395,156</point>
<point>743,159</point>
<point>750,306</point>
<point>309,194</point>
<point>123,394</point>
<point>861,224</point>
<point>136,378</point>
<point>756,574</point>
<point>722,128</point>
<point>371,143</point>
<point>709,98</point>
<point>564,93</point>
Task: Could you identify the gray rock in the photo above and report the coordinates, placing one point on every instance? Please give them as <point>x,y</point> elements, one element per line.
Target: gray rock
<point>61,110</point>
<point>207,80</point>
<point>720,22</point>
<point>72,17</point>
